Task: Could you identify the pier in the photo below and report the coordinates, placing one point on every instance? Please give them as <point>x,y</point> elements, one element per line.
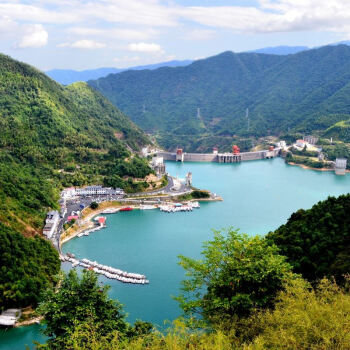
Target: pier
<point>108,271</point>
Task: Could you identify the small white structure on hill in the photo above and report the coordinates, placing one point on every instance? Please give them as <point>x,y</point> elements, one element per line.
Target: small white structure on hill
<point>158,165</point>
<point>51,223</point>
<point>301,143</point>
<point>340,166</point>
<point>281,144</point>
<point>68,193</point>
<point>312,140</point>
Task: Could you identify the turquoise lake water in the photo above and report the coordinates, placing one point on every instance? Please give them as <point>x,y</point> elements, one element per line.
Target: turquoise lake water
<point>258,197</point>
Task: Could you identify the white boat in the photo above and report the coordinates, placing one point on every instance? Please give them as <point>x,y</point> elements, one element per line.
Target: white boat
<point>147,207</point>
<point>110,211</point>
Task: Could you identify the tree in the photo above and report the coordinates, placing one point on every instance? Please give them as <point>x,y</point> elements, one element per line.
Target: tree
<point>27,268</point>
<point>238,273</point>
<point>94,205</point>
<point>79,300</point>
<point>306,318</point>
<point>316,241</point>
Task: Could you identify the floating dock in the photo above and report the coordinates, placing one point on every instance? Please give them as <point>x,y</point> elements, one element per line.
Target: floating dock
<point>108,271</point>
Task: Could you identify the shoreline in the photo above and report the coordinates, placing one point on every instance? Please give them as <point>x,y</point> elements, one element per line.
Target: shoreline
<point>35,320</point>
<point>306,167</point>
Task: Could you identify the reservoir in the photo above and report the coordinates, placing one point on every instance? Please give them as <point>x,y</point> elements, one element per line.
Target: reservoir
<point>258,196</point>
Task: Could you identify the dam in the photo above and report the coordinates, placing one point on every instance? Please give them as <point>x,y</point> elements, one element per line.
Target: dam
<point>233,157</point>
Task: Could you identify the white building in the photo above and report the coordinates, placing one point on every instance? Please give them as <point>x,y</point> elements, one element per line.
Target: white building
<point>158,165</point>
<point>98,190</point>
<point>340,166</point>
<point>51,223</point>
<point>177,185</point>
<point>301,143</point>
<point>281,144</point>
<point>68,193</point>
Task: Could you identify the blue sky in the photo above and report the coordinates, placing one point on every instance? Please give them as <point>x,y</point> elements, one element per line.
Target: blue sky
<point>82,34</point>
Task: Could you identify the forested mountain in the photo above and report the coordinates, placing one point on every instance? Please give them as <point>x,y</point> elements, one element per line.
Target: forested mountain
<point>281,50</point>
<point>304,92</point>
<point>69,76</point>
<point>53,136</point>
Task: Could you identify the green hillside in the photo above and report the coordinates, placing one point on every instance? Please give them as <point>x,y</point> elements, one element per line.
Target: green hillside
<point>305,92</point>
<point>52,136</point>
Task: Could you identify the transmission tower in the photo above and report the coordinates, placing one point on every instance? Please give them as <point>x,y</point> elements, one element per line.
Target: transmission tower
<point>247,117</point>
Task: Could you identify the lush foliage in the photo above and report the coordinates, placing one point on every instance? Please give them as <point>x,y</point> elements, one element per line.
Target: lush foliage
<point>338,150</point>
<point>82,302</point>
<point>303,92</point>
<point>306,318</point>
<point>236,275</point>
<point>302,318</point>
<point>53,136</point>
<point>26,268</point>
<point>317,241</point>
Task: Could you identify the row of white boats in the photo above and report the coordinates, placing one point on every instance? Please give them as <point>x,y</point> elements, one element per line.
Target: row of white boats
<point>109,272</point>
<point>169,207</point>
<point>178,207</point>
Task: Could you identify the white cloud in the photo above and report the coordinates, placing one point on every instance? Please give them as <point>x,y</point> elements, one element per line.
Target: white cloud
<point>36,36</point>
<point>84,44</point>
<point>200,34</point>
<point>274,16</point>
<point>145,48</point>
<point>7,25</point>
<point>115,33</point>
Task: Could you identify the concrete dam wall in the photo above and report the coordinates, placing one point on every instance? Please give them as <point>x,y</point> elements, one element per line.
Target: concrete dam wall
<point>221,157</point>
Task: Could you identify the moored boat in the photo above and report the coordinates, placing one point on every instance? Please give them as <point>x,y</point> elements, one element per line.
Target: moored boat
<point>126,209</point>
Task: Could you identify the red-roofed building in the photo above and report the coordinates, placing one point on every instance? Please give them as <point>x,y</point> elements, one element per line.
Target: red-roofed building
<point>101,220</point>
<point>72,217</point>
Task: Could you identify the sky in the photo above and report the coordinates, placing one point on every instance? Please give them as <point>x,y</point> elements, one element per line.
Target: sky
<point>86,34</point>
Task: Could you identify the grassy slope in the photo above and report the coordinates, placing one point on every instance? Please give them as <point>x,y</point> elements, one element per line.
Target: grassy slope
<point>46,127</point>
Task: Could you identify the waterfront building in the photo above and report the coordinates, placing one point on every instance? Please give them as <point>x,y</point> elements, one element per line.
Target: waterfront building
<point>215,150</point>
<point>340,166</point>
<point>179,155</point>
<point>98,190</point>
<point>9,317</point>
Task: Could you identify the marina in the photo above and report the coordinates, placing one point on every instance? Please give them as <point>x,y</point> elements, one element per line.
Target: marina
<point>259,196</point>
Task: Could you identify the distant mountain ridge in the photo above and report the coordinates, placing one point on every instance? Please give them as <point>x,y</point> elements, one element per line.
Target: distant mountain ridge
<point>306,91</point>
<point>69,76</point>
<point>281,50</point>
